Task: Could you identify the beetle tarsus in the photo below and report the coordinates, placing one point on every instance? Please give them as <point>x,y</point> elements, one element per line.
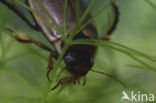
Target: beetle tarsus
<point>71,79</point>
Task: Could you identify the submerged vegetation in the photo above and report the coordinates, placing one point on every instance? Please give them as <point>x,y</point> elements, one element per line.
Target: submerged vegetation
<point>23,67</point>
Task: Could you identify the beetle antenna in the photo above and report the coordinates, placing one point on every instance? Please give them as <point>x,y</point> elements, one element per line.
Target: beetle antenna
<point>110,77</point>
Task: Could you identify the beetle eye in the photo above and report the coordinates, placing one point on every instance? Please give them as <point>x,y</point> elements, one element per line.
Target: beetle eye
<point>69,59</point>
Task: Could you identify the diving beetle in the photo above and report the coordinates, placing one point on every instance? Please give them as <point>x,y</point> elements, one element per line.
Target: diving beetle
<point>79,58</point>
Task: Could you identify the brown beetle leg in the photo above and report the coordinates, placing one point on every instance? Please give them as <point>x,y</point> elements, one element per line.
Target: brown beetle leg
<point>25,39</point>
<point>20,14</point>
<point>50,63</point>
<point>70,79</point>
<point>114,24</point>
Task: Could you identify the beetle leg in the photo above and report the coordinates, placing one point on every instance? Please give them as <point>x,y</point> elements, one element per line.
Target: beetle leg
<point>50,63</point>
<point>25,39</point>
<point>114,24</point>
<point>70,79</point>
<point>53,53</point>
<point>20,14</point>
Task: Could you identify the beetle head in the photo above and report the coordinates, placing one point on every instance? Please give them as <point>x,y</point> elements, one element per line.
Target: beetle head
<point>78,63</point>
